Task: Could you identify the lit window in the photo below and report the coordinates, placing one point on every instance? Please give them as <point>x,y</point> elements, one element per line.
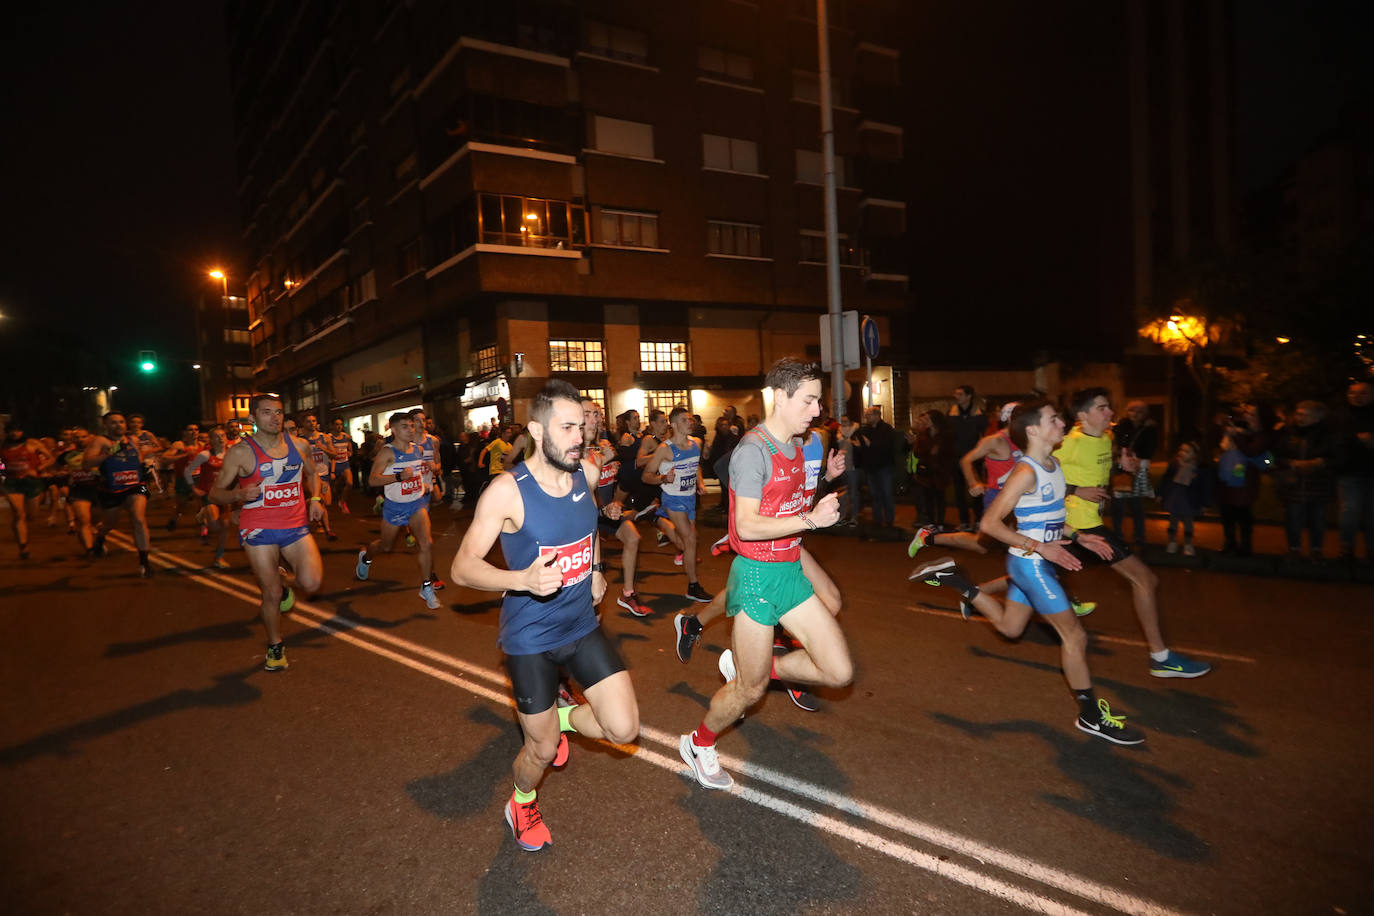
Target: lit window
<point>485,360</point>
<point>663,356</point>
<point>629,228</point>
<point>729,154</point>
<point>665,399</point>
<point>308,394</point>
<point>739,239</point>
<point>576,356</point>
<point>594,394</point>
<point>530,221</point>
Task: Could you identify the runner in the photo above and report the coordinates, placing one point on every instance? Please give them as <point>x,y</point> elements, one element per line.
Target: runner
<point>767,517</point>
<point>64,452</point>
<point>1035,492</point>
<point>25,461</point>
<point>1086,455</point>
<point>272,478</point>
<point>323,455</point>
<point>200,475</point>
<point>233,431</point>
<point>149,448</point>
<point>493,457</point>
<point>688,627</point>
<point>399,470</point>
<point>674,467</point>
<point>180,454</point>
<point>81,488</point>
<point>344,448</point>
<point>121,487</point>
<point>546,521</point>
<point>434,475</point>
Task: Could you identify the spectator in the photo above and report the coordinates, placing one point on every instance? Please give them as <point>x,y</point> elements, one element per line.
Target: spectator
<point>877,441</point>
<point>719,459</point>
<point>1243,458</point>
<point>1356,481</point>
<point>849,500</point>
<point>931,450</point>
<point>698,427</point>
<point>1306,451</point>
<point>1185,490</point>
<point>1136,437</point>
<point>967,425</point>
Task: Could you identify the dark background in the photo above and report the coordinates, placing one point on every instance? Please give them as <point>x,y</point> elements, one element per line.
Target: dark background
<point>119,184</point>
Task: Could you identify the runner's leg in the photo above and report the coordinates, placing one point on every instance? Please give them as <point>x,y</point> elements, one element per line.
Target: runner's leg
<point>824,654</point>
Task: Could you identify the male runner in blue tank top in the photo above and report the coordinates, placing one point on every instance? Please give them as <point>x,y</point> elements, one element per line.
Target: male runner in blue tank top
<point>545,516</point>
<point>1035,493</point>
<point>676,468</point>
<point>121,485</point>
<point>399,469</point>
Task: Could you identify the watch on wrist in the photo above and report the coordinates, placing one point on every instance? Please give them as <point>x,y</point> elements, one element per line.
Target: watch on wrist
<point>397,475</point>
<point>599,567</point>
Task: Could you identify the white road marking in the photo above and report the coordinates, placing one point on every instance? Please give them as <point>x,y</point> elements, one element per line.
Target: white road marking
<point>988,855</point>
<point>1092,634</point>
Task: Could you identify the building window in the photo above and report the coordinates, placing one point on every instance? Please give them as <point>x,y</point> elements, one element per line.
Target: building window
<point>531,221</point>
<point>730,154</point>
<point>576,356</point>
<point>408,259</point>
<point>308,394</point>
<point>665,399</point>
<point>663,356</point>
<point>724,64</point>
<point>811,168</point>
<point>241,371</point>
<point>630,138</point>
<point>594,394</point>
<point>806,86</point>
<point>629,228</point>
<point>619,43</point>
<point>235,336</point>
<point>741,239</point>
<point>485,360</point>
<point>361,289</point>
<point>813,249</point>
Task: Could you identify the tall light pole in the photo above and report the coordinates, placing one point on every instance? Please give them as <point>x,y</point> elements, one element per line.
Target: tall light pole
<point>832,239</point>
<point>223,279</point>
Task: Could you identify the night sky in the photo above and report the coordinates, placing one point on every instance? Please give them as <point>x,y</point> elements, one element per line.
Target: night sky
<point>119,186</point>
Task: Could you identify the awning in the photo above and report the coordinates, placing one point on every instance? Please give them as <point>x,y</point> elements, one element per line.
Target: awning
<point>373,399</point>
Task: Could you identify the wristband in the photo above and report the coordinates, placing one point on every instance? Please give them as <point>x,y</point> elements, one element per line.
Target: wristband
<point>805,518</point>
<point>397,475</point>
<point>599,567</point>
<point>316,499</point>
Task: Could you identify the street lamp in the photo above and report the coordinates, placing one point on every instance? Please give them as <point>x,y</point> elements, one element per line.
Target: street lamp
<point>1186,335</point>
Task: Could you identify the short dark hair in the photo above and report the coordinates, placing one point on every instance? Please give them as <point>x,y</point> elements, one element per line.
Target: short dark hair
<point>135,414</point>
<point>414,410</point>
<point>399,417</point>
<point>1083,398</point>
<point>966,389</point>
<point>655,414</point>
<point>112,413</point>
<point>1026,414</point>
<point>788,374</point>
<point>676,412</point>
<point>555,389</point>
<point>256,400</point>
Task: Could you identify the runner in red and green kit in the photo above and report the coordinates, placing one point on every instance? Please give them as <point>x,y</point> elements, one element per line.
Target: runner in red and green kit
<point>768,515</point>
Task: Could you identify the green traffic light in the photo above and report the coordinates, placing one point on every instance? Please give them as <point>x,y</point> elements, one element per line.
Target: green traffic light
<point>147,366</point>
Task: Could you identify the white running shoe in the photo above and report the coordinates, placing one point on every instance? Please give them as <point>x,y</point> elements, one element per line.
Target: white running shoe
<point>704,763</point>
<point>727,666</point>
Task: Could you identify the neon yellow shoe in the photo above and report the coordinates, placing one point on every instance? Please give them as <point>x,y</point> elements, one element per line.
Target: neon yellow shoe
<point>276,658</point>
<point>1083,608</point>
<point>288,600</point>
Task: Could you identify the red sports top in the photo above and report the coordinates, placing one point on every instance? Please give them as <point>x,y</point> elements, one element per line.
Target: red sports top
<point>281,505</point>
<point>179,466</point>
<point>20,461</point>
<point>208,471</point>
<point>783,496</point>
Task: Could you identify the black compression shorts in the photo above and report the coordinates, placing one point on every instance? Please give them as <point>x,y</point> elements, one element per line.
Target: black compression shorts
<point>534,678</point>
<point>1119,549</point>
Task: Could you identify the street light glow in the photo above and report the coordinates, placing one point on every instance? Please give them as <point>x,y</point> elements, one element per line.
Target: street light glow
<point>195,365</point>
<point>217,274</point>
<point>1282,340</point>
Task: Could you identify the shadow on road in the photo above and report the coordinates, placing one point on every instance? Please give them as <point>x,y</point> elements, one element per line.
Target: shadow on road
<point>477,784</point>
<point>1173,712</point>
<point>1120,796</point>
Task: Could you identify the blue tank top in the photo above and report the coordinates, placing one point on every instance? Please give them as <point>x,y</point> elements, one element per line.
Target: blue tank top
<point>1040,513</point>
<point>813,454</point>
<point>123,469</point>
<point>685,464</point>
<point>560,528</point>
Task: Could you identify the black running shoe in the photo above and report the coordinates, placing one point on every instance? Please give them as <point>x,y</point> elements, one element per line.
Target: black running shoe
<point>697,593</point>
<point>1108,726</point>
<point>802,698</point>
<point>944,573</point>
<point>145,571</point>
<point>688,630</point>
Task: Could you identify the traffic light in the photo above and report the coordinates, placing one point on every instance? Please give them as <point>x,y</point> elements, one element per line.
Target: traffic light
<point>147,360</point>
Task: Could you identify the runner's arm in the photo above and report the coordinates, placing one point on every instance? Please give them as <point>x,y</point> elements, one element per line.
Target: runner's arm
<point>470,567</point>
<point>96,452</point>
<point>1021,481</point>
<point>377,475</point>
<point>312,474</point>
<point>189,474</point>
<point>646,451</point>
<point>657,457</point>
<point>978,452</point>
<point>238,462</point>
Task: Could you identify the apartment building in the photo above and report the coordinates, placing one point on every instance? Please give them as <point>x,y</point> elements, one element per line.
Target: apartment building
<point>447,204</point>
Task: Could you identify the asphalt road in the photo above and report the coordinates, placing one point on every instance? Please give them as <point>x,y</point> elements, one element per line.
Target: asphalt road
<point>149,765</point>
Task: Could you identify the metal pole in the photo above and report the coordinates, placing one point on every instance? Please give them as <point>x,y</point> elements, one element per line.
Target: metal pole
<point>868,374</point>
<point>832,239</point>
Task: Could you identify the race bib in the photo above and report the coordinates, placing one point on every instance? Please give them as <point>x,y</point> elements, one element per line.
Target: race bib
<point>574,560</point>
<point>319,457</point>
<point>609,471</point>
<point>412,486</point>
<point>126,478</point>
<point>281,495</point>
<point>1054,531</point>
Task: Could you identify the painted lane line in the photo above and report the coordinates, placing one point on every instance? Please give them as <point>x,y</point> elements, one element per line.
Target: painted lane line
<point>1092,634</point>
<point>929,833</point>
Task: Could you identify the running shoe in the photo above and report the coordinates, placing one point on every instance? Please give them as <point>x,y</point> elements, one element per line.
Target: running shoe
<point>343,507</point>
<point>922,539</point>
<point>24,552</point>
<point>721,546</point>
<point>276,658</point>
<point>647,510</point>
<point>965,609</point>
<point>564,696</point>
<point>704,763</point>
<point>688,630</point>
<point>943,573</point>
<point>727,665</point>
<point>1083,608</point>
<point>377,506</point>
<point>632,604</point>
<point>331,536</point>
<point>172,524</point>
<point>364,566</point>
<point>1112,728</point>
<point>1189,550</point>
<point>437,583</point>
<point>145,570</point>
<point>801,698</point>
<point>527,825</point>
<point>410,540</point>
<point>1177,665</point>
<point>431,599</point>
<point>288,599</point>
<point>677,560</point>
<point>697,593</point>
<point>662,538</point>
<point>98,548</point>
<point>560,756</point>
<point>220,563</point>
<point>1171,547</point>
